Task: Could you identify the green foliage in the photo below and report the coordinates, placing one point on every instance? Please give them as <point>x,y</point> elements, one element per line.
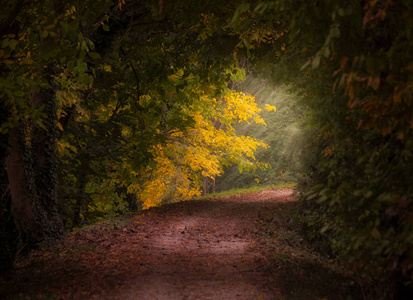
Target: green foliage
<point>40,38</point>
<point>351,63</point>
<point>127,78</point>
<point>357,189</point>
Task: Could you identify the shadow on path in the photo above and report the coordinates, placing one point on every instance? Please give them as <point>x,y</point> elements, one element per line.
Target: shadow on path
<point>204,249</point>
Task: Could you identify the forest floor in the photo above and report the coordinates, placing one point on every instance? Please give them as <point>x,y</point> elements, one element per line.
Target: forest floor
<point>245,246</point>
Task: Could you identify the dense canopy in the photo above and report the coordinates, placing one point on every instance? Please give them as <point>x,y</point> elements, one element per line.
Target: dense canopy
<point>113,106</point>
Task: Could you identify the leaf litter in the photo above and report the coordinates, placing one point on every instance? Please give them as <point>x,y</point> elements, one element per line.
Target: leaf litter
<point>232,247</point>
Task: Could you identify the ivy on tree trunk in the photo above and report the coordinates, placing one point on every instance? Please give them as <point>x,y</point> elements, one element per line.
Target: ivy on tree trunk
<point>32,173</point>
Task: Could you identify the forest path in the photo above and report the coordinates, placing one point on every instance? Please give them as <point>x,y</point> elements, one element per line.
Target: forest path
<point>203,249</point>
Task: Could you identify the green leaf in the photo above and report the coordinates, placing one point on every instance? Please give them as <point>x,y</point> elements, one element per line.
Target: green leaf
<point>73,148</point>
<point>241,9</point>
<point>105,27</point>
<point>84,46</point>
<point>324,229</point>
<point>368,194</point>
<point>81,67</point>
<point>261,7</point>
<point>322,199</point>
<point>375,233</point>
<point>13,44</point>
<point>94,55</point>
<point>5,43</point>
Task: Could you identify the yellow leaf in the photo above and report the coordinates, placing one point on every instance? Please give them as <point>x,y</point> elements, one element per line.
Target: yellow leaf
<point>270,107</point>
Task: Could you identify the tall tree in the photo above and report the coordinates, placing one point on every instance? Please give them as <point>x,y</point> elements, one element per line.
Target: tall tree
<point>38,61</point>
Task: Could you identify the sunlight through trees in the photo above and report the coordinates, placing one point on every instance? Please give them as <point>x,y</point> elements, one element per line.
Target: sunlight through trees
<point>111,106</point>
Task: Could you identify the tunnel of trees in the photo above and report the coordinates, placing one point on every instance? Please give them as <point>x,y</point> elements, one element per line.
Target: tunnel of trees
<point>113,106</point>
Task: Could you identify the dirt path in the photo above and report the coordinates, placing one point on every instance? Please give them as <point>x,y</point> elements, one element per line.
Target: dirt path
<point>205,249</point>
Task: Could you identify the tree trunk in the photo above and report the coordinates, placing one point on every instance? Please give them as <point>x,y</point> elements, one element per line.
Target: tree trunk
<point>205,186</point>
<point>22,204</point>
<point>8,233</point>
<point>32,159</point>
<point>208,186</point>
<point>32,172</point>
<point>45,165</point>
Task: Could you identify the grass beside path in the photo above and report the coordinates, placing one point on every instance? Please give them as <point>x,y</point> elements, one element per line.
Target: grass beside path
<point>253,189</point>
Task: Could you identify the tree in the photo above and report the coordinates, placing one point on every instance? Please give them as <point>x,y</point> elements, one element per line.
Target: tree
<point>201,152</point>
<point>40,71</point>
<point>155,71</point>
<point>51,52</point>
<point>358,83</point>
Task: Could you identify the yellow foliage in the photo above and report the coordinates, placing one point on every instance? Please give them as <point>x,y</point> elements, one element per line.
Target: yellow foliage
<point>270,107</point>
<point>107,68</point>
<point>201,151</point>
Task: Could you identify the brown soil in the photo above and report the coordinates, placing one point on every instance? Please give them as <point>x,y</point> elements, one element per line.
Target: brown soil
<point>204,249</point>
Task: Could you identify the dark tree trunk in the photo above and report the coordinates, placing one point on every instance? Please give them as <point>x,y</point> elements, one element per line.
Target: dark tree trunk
<point>45,166</point>
<point>22,205</point>
<point>8,233</point>
<point>77,211</point>
<point>132,202</point>
<point>31,161</point>
<point>32,173</point>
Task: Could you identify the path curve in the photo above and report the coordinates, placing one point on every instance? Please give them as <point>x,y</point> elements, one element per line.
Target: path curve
<point>204,249</point>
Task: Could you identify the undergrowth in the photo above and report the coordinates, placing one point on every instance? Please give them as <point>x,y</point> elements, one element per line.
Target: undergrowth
<point>302,268</point>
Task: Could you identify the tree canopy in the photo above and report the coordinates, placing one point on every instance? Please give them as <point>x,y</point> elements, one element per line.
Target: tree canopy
<point>108,105</point>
